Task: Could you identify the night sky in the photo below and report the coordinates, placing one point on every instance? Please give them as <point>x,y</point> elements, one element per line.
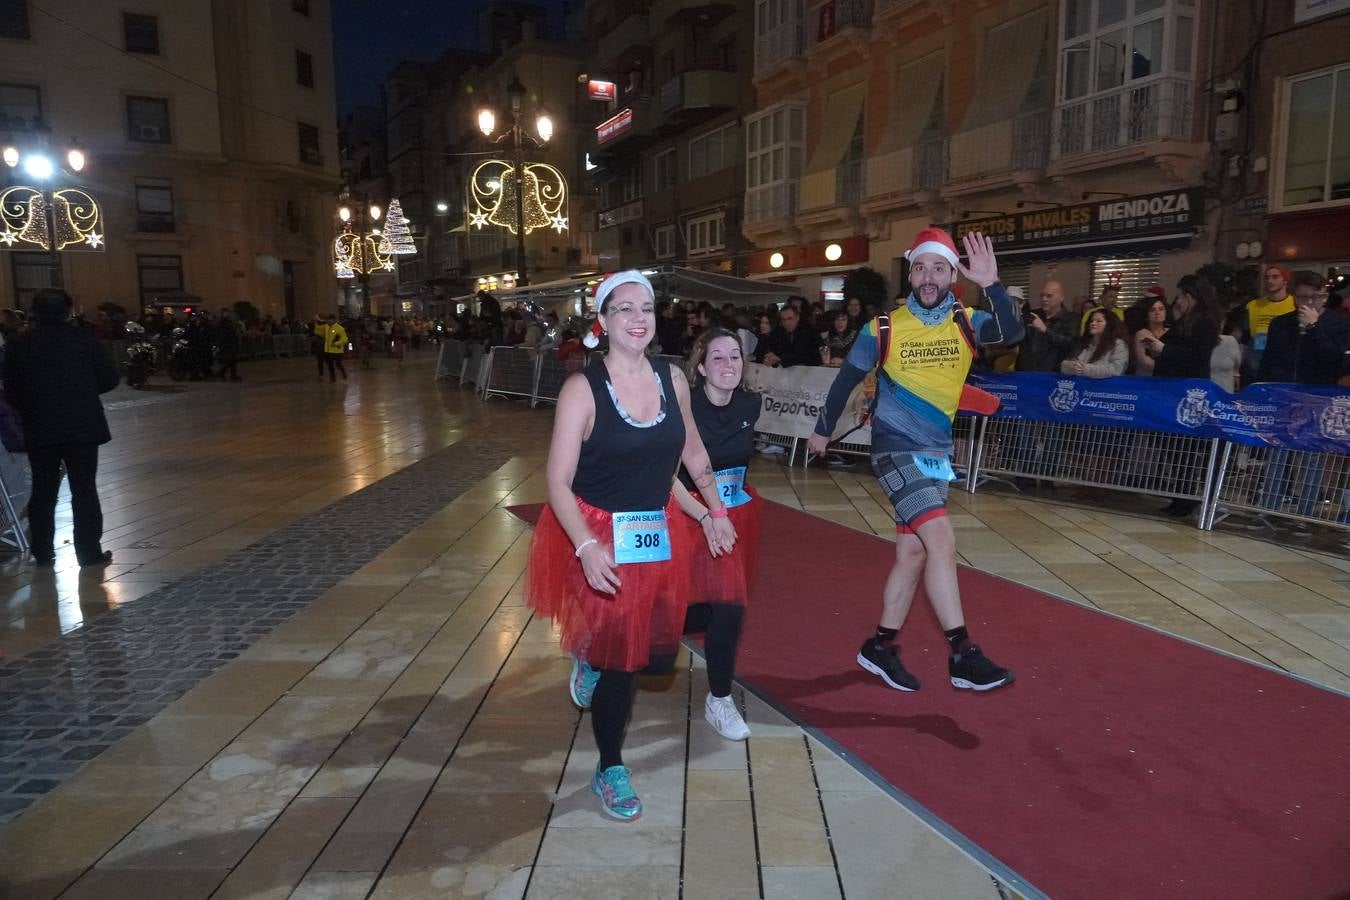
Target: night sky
<point>370,37</point>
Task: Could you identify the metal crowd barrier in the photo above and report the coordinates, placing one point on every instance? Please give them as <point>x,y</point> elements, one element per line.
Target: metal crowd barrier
<point>511,372</point>
<point>1120,459</point>
<point>450,360</point>
<point>965,430</point>
<point>1272,482</point>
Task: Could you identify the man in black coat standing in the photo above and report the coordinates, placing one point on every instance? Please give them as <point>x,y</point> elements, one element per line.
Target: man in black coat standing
<point>53,377</point>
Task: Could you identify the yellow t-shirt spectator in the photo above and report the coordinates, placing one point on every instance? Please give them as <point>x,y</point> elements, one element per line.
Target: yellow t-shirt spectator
<point>1260,312</point>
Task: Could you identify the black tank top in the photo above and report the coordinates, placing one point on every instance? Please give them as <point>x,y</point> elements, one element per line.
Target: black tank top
<point>728,432</point>
<point>626,466</point>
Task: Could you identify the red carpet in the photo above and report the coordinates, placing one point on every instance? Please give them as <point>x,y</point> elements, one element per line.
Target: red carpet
<point>1122,762</point>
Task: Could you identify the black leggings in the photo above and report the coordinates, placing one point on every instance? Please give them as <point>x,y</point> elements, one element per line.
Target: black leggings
<point>334,359</point>
<point>721,627</point>
<point>611,707</point>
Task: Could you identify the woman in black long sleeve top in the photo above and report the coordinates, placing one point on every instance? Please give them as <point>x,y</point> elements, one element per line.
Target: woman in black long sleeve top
<point>1186,348</point>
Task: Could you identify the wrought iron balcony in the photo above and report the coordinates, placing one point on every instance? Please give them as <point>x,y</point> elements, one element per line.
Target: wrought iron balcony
<point>1135,114</point>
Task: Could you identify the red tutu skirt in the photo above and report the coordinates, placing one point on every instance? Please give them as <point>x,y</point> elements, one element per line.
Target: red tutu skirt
<point>726,578</point>
<point>644,618</point>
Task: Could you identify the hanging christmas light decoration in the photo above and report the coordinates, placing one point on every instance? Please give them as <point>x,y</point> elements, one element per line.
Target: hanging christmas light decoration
<point>397,237</point>
<point>492,196</point>
<point>75,220</point>
<point>359,255</point>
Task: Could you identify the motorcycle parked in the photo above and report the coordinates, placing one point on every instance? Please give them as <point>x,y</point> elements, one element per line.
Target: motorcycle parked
<point>141,352</point>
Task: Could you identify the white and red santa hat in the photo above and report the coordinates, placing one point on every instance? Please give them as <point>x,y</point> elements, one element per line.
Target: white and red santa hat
<point>934,240</point>
<point>628,276</point>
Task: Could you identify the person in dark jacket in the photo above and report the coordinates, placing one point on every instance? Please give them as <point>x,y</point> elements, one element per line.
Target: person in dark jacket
<point>1185,350</point>
<point>1306,346</point>
<point>227,346</point>
<point>53,376</point>
<point>1051,333</point>
<point>791,343</point>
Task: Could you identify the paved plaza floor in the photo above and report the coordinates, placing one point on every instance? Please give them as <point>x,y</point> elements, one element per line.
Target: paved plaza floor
<point>309,673</point>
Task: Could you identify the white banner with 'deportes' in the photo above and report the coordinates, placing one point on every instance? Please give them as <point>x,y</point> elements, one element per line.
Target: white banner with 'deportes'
<point>793,398</point>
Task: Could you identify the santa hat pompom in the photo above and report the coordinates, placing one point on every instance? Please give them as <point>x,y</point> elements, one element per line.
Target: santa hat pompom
<point>592,338</point>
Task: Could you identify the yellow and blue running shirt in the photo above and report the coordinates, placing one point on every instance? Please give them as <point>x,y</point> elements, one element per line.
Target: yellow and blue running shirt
<point>921,378</point>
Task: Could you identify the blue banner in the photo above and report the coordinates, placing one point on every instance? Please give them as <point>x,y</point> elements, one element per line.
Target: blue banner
<point>1296,416</point>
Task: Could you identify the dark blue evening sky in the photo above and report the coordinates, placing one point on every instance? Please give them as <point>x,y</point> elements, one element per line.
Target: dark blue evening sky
<point>370,37</point>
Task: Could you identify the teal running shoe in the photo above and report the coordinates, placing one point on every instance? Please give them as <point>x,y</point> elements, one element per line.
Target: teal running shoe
<point>615,791</point>
<point>583,682</point>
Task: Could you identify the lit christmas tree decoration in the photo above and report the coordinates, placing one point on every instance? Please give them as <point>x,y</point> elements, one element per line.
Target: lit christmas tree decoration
<point>543,198</point>
<point>397,237</point>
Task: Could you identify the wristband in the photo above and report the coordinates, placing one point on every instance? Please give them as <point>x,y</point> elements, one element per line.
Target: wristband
<point>719,513</point>
<point>584,545</point>
<point>704,517</point>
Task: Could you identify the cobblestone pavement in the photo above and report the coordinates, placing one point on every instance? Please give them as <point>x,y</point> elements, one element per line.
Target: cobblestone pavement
<point>70,700</point>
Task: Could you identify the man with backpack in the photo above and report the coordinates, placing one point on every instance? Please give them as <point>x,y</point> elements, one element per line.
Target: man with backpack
<point>921,354</point>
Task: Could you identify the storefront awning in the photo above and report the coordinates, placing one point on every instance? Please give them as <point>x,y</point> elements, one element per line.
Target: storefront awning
<point>670,282</point>
<point>914,92</point>
<point>1106,247</point>
<point>1007,67</point>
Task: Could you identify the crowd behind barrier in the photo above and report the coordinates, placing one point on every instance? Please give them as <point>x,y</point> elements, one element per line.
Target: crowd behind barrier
<point>1271,450</point>
<point>250,347</point>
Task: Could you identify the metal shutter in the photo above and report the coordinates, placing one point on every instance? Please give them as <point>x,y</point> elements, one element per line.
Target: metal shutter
<point>1013,275</point>
<point>1136,275</point>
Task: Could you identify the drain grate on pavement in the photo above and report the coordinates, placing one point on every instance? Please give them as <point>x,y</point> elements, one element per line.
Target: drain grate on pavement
<point>70,700</point>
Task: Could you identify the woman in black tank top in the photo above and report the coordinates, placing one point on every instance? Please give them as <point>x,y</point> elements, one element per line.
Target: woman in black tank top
<point>606,561</point>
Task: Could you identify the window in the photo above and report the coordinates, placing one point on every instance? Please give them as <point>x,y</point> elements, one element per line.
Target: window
<point>705,234</point>
<point>304,69</point>
<point>154,205</point>
<point>309,144</point>
<point>1316,134</point>
<point>773,146</point>
<point>713,152</point>
<point>14,19</point>
<point>20,107</point>
<point>300,6</point>
<point>32,272</point>
<point>159,276</point>
<point>1107,44</point>
<point>663,241</point>
<point>664,169</point>
<point>148,120</point>
<point>140,33</point>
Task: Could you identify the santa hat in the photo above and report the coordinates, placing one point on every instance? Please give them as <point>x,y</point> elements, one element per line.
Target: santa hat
<point>1157,290</point>
<point>933,240</point>
<point>1284,273</point>
<point>592,338</point>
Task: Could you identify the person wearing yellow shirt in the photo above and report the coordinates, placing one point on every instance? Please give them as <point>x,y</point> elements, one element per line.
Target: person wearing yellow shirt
<point>334,346</point>
<point>1261,311</point>
<point>1108,301</point>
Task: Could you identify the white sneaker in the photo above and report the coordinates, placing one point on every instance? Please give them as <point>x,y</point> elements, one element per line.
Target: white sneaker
<point>722,714</point>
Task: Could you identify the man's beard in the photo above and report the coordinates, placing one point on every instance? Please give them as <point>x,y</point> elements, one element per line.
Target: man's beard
<point>941,295</point>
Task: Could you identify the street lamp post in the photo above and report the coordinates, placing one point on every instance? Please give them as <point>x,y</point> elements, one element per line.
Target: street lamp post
<point>361,211</point>
<point>487,123</point>
<point>41,215</point>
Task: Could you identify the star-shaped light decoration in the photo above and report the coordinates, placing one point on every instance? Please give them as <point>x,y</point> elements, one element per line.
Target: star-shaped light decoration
<point>387,265</point>
<point>477,220</point>
<point>93,239</point>
<point>9,237</point>
<point>559,224</point>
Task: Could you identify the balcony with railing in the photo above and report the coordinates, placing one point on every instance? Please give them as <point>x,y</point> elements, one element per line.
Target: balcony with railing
<point>1012,145</point>
<point>930,165</point>
<point>838,19</point>
<point>680,12</point>
<point>778,45</point>
<point>1136,114</point>
<point>770,203</point>
<point>831,194</point>
<point>702,91</point>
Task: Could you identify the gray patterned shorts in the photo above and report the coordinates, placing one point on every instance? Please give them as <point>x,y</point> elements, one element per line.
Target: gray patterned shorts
<point>916,497</point>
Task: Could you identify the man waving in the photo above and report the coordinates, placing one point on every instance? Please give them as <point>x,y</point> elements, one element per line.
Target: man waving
<point>922,355</point>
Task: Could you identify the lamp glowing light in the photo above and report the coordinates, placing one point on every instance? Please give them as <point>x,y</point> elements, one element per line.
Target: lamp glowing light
<point>833,252</point>
<point>344,214</point>
<point>442,207</point>
<point>75,159</point>
<point>374,213</point>
<point>487,122</point>
<point>39,167</point>
<point>777,260</point>
<point>11,156</point>
<point>544,125</point>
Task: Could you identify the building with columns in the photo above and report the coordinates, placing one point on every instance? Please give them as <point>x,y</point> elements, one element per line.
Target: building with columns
<point>209,131</point>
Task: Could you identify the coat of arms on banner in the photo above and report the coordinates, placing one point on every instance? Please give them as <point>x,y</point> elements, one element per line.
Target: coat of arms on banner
<point>1193,409</point>
<point>1064,398</point>
<point>1334,420</point>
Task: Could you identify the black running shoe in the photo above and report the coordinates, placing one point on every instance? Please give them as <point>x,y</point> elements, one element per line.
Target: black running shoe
<point>884,661</point>
<point>971,670</point>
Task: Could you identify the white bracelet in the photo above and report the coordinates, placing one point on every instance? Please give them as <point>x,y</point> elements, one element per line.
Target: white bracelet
<point>584,544</point>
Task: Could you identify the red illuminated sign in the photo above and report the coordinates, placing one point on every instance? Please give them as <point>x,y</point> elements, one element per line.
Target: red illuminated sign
<point>608,130</point>
<point>602,90</point>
